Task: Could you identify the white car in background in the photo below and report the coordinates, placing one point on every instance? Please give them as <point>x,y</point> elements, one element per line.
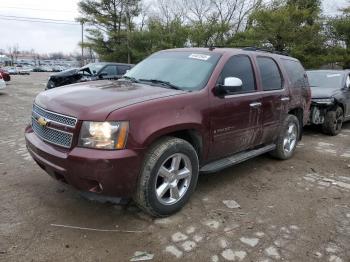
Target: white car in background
<point>2,83</point>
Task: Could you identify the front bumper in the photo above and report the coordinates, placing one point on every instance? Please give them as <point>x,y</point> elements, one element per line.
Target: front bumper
<point>110,173</point>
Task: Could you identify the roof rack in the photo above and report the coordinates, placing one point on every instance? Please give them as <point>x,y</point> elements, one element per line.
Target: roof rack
<point>253,48</point>
<point>250,48</point>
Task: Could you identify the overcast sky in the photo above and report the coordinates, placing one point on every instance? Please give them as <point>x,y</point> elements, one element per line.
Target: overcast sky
<point>47,38</point>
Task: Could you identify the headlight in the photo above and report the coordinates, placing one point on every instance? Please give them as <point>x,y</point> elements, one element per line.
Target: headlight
<point>326,101</point>
<point>87,78</point>
<point>104,135</point>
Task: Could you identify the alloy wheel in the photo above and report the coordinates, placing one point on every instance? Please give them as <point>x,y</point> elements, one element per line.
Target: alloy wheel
<point>173,179</point>
<point>290,139</point>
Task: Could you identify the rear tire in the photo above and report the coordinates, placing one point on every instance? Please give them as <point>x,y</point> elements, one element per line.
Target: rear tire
<point>287,139</point>
<point>168,177</point>
<point>333,122</point>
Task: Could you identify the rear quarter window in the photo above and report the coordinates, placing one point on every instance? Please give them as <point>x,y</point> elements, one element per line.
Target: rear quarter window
<point>296,73</point>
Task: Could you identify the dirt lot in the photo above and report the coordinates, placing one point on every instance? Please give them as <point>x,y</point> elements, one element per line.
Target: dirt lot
<point>296,210</point>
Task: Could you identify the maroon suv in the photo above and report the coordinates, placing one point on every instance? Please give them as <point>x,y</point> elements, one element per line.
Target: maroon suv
<point>176,114</point>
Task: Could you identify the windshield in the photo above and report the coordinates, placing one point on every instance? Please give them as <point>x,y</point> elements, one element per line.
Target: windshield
<point>91,69</point>
<point>183,70</point>
<point>325,79</point>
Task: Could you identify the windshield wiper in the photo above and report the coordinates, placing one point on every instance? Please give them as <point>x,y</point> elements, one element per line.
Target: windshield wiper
<point>132,79</point>
<point>161,82</point>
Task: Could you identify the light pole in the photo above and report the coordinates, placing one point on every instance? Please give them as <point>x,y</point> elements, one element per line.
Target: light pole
<point>82,42</point>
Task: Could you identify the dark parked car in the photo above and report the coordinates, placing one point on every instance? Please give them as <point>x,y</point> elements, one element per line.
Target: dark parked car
<point>330,99</point>
<point>5,75</point>
<point>176,114</point>
<point>90,72</point>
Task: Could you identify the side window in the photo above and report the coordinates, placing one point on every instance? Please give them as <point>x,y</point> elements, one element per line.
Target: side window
<point>270,74</point>
<point>122,69</point>
<point>240,66</point>
<point>110,70</point>
<point>296,72</point>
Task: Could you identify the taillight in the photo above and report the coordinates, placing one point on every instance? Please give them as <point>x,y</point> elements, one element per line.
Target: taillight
<point>0,75</point>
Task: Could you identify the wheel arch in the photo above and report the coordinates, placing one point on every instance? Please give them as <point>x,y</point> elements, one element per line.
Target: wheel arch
<point>189,133</point>
<point>341,105</point>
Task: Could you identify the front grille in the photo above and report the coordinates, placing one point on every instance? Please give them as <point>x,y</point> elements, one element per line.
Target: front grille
<point>52,135</point>
<point>58,118</point>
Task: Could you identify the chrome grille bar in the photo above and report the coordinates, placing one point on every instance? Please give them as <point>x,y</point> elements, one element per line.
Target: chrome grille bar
<point>52,116</point>
<point>50,134</point>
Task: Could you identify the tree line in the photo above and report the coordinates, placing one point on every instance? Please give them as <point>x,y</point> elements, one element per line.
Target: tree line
<point>130,30</point>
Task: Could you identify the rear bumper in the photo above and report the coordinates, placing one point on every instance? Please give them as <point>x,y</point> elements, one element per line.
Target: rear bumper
<point>110,173</point>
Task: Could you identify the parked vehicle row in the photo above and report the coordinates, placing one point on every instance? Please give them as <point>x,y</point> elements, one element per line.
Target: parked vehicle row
<point>26,70</point>
<point>19,70</point>
<point>176,114</point>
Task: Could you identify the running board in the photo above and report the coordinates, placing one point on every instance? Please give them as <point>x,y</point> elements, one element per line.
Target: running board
<point>235,159</point>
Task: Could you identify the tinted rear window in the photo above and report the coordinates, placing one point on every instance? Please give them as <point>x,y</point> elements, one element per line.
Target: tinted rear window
<point>296,73</point>
<point>270,74</point>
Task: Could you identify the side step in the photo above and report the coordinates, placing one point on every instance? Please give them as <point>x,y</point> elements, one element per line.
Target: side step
<point>235,159</point>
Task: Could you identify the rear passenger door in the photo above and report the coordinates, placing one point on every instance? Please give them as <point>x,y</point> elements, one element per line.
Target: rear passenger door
<point>235,117</point>
<point>275,98</point>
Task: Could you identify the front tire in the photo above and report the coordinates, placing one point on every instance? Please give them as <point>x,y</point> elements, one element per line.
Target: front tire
<point>333,122</point>
<point>168,177</point>
<point>288,138</point>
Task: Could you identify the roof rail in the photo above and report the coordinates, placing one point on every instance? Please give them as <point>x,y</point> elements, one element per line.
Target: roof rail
<point>253,48</point>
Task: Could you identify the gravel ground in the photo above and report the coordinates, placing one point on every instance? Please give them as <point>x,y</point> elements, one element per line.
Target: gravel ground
<point>260,210</point>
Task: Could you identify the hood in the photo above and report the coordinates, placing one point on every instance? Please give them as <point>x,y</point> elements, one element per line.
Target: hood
<point>68,72</point>
<point>96,100</point>
<point>324,92</point>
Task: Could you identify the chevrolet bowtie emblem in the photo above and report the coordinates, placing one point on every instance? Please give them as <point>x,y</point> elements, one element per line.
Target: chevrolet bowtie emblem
<point>42,121</point>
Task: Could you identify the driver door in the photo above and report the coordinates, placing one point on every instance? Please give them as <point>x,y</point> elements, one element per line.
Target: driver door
<point>236,117</point>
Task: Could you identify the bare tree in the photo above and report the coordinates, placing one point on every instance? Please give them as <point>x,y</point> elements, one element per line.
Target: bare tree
<point>13,53</point>
<point>234,12</point>
<point>197,10</point>
<point>168,11</point>
<point>144,14</point>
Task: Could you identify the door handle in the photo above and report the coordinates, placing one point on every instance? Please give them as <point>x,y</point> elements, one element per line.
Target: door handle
<point>256,104</point>
<point>284,99</point>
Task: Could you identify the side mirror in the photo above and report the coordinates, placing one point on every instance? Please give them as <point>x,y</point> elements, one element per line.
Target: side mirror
<point>233,82</point>
<point>231,85</point>
<point>347,83</point>
<point>102,75</point>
